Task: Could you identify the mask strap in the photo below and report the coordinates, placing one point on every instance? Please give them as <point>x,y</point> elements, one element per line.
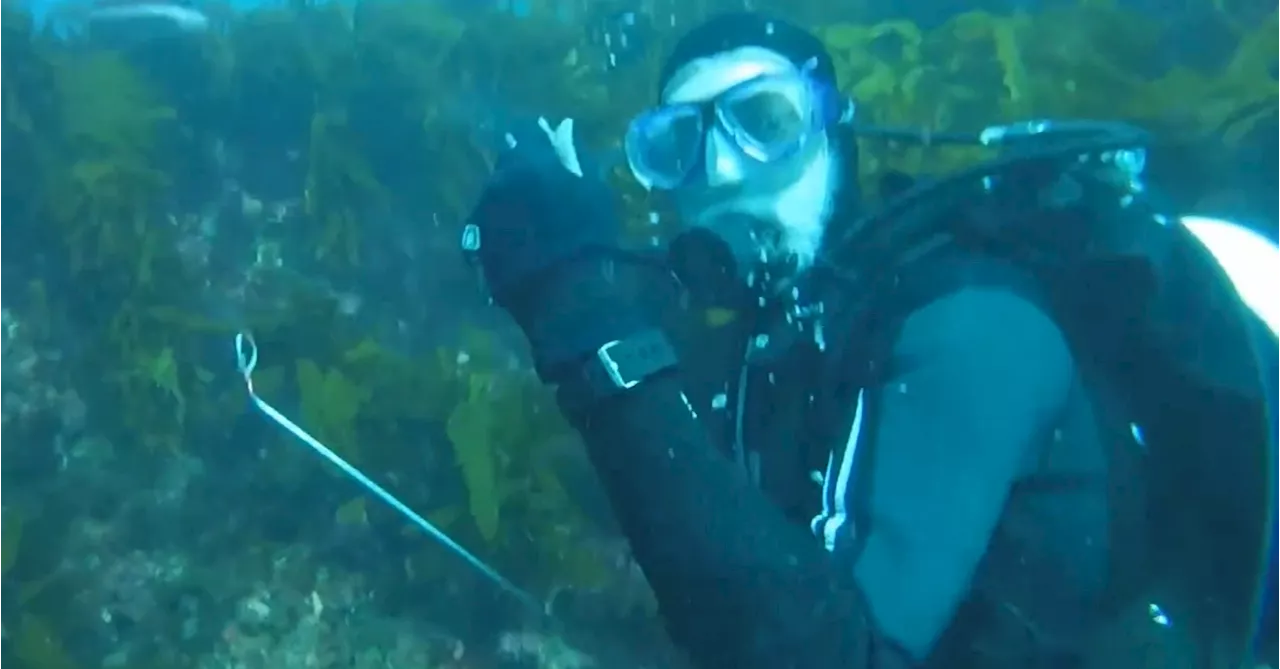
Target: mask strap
<point>247,360</point>
<point>836,108</point>
<point>849,112</point>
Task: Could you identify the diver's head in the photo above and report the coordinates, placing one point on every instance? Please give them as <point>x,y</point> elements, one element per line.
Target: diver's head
<point>741,140</point>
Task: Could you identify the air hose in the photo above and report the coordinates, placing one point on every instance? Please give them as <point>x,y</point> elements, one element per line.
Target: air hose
<point>1029,145</point>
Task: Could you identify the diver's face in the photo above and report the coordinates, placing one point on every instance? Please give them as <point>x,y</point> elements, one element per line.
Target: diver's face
<point>786,201</point>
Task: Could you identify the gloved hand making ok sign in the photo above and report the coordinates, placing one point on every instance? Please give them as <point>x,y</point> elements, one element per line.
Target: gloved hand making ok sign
<point>548,237</point>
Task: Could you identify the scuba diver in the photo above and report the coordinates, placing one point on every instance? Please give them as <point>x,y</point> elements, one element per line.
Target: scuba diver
<point>1016,417</point>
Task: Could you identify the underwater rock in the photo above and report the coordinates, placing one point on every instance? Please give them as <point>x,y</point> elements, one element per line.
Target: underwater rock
<point>301,615</point>
<point>542,651</point>
<point>129,603</point>
<point>42,414</point>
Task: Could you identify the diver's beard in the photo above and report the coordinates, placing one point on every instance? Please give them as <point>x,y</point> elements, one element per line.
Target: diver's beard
<point>762,243</point>
<point>784,223</point>
<point>757,245</point>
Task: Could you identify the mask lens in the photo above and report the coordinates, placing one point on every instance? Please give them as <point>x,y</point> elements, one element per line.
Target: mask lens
<point>662,146</point>
<point>769,118</point>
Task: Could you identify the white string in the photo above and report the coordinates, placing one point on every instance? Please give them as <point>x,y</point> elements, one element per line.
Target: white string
<point>247,360</point>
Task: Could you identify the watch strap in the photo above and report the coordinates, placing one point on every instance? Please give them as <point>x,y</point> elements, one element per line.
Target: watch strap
<point>617,367</point>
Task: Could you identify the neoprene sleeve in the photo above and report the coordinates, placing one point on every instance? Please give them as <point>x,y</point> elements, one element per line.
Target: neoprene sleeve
<point>741,587</point>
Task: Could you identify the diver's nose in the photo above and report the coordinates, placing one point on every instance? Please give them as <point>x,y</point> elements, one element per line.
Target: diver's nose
<point>724,165</point>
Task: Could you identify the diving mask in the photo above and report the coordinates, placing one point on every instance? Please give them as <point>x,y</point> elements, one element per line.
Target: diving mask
<point>765,119</point>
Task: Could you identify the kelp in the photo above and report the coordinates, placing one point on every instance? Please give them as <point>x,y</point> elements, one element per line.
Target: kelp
<point>1229,104</point>
<point>37,646</point>
<point>470,429</point>
<point>339,187</point>
<point>1090,60</point>
<point>104,184</point>
<point>330,405</point>
<point>107,196</point>
<point>11,526</point>
<point>33,640</point>
<point>501,426</point>
<point>282,65</point>
<point>29,111</point>
<point>505,436</point>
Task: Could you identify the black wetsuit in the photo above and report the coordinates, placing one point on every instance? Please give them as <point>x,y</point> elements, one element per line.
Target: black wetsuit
<point>781,543</point>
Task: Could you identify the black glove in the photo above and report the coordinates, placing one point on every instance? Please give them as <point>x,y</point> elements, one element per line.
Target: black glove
<point>548,236</point>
